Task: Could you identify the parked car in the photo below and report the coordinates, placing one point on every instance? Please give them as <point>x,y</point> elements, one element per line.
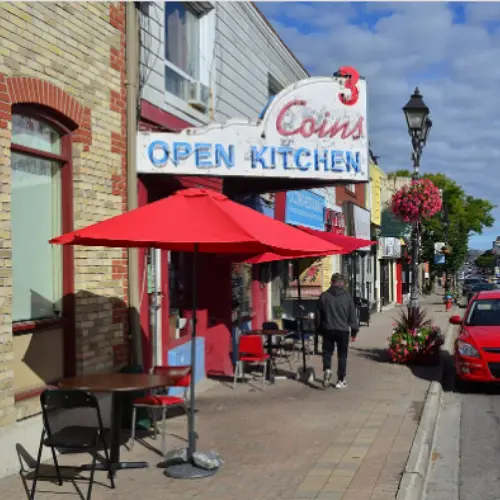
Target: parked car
<point>477,348</point>
<point>478,287</point>
<point>468,282</point>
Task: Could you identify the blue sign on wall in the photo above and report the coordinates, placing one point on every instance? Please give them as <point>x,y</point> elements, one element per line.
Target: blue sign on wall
<point>305,208</point>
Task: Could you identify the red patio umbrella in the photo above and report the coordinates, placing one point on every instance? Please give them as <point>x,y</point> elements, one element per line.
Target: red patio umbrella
<point>197,220</point>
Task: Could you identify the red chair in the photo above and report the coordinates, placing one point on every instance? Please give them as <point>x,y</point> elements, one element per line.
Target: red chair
<point>250,350</point>
<point>157,401</point>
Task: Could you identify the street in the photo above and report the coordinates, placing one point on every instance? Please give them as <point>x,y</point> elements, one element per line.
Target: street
<point>466,452</point>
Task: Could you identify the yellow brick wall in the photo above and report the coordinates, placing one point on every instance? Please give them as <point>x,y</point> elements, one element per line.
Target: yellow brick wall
<point>79,49</point>
<point>376,178</point>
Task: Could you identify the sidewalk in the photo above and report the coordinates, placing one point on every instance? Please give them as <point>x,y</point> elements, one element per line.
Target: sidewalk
<point>292,441</point>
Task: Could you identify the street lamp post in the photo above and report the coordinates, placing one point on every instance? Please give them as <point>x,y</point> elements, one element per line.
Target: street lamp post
<point>419,125</point>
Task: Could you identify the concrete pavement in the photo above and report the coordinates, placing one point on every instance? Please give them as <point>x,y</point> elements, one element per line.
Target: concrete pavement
<point>291,441</point>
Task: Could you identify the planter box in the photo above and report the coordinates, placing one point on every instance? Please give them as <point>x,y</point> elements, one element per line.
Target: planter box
<point>430,358</point>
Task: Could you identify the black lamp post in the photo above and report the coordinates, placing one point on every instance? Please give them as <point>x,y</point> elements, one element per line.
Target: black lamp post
<point>419,125</point>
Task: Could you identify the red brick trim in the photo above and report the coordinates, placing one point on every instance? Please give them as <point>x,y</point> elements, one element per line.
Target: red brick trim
<point>118,104</point>
<point>117,15</point>
<point>25,90</point>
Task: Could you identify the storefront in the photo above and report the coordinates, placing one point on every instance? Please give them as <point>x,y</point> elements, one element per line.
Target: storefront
<point>357,266</point>
<point>304,209</point>
<point>286,150</point>
<point>389,254</point>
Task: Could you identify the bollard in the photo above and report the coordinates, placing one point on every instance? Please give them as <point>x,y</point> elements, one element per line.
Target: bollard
<point>449,303</point>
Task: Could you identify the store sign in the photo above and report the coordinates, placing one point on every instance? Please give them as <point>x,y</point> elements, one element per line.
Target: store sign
<point>311,279</point>
<point>438,247</point>
<point>391,248</point>
<point>362,221</point>
<point>314,129</point>
<point>335,221</point>
<point>305,208</point>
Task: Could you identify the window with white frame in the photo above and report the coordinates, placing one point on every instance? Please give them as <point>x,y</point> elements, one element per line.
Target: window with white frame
<point>184,53</point>
<point>350,187</point>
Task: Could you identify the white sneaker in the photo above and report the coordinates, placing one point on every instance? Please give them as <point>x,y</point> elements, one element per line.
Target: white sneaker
<point>327,376</point>
<point>341,384</point>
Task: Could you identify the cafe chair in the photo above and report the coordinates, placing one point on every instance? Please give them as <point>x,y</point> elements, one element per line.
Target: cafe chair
<point>279,345</point>
<point>71,438</point>
<point>161,400</point>
<point>250,350</point>
<point>291,325</point>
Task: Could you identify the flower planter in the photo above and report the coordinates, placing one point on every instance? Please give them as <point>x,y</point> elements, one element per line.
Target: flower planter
<point>415,341</point>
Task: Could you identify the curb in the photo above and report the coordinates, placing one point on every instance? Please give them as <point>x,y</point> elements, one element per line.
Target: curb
<point>414,478</point>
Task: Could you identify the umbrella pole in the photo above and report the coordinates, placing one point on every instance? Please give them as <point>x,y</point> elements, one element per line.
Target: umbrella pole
<point>189,470</point>
<point>299,324</point>
<point>194,303</point>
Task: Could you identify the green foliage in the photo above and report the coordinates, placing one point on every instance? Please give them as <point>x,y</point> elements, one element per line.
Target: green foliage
<point>407,322</point>
<point>399,173</point>
<point>465,215</point>
<point>486,261</point>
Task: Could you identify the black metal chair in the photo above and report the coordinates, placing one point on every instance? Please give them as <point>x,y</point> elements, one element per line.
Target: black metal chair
<point>276,344</point>
<point>72,438</point>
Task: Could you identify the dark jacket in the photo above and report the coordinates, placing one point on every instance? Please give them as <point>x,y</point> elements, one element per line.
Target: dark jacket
<point>336,311</point>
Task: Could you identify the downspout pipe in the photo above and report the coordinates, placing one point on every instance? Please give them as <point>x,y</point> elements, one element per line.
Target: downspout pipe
<point>132,88</point>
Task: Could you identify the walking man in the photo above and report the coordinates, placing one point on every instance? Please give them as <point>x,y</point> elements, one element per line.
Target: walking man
<point>336,320</point>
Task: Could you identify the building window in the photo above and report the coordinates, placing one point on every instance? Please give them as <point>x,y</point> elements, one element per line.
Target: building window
<point>185,58</point>
<point>350,187</point>
<point>273,86</point>
<point>36,161</point>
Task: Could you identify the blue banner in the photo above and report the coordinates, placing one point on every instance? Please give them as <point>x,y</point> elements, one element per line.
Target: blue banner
<point>439,259</point>
<point>305,208</point>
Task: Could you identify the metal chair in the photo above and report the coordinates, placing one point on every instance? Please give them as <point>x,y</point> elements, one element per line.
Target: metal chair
<point>73,437</point>
<point>278,343</point>
<point>250,350</point>
<point>181,376</point>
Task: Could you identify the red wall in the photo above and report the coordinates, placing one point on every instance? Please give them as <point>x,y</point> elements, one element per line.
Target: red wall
<point>214,272</point>
<point>357,197</point>
<point>399,278</point>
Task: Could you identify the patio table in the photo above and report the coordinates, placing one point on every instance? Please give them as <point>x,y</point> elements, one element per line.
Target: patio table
<point>117,384</point>
<point>270,334</point>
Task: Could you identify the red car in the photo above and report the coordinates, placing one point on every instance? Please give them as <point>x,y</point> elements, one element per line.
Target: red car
<point>477,348</point>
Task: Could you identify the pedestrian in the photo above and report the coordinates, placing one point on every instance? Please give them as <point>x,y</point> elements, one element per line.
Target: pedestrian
<point>336,320</point>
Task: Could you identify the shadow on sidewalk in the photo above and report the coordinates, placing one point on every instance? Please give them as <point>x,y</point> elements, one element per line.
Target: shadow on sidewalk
<point>429,372</point>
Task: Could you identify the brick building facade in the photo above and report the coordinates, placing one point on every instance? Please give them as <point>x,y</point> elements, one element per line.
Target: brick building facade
<point>62,157</point>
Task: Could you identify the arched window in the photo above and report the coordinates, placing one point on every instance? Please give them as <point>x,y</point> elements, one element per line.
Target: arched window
<point>40,151</point>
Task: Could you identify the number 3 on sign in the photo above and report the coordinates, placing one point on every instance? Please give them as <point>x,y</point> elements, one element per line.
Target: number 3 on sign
<point>351,80</point>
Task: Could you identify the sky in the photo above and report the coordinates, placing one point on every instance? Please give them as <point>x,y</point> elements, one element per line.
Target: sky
<point>451,51</point>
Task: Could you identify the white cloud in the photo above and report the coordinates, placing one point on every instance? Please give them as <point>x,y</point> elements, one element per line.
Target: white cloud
<point>402,45</point>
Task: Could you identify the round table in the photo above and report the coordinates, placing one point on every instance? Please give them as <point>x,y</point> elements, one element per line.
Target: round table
<point>117,384</point>
<point>272,359</point>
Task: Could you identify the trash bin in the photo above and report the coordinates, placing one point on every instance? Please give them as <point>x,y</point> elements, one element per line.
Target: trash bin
<point>143,422</point>
<point>363,310</point>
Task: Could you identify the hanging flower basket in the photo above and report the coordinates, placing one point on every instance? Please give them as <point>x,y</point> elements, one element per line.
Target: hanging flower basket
<point>420,200</point>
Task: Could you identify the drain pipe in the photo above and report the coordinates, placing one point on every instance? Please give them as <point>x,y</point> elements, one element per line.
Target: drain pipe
<point>132,88</point>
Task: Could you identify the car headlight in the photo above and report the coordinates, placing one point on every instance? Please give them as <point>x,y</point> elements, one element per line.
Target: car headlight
<point>466,349</point>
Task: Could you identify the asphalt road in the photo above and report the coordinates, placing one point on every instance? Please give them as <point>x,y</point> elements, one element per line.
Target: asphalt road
<point>480,446</point>
<point>465,463</point>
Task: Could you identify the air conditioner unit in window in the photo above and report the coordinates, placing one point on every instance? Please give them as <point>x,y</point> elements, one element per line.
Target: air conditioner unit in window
<point>198,96</point>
